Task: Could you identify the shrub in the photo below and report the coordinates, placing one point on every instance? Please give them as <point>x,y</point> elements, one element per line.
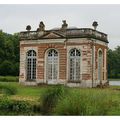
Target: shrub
<point>37,108</point>
<point>16,69</point>
<point>6,68</point>
<point>50,98</point>
<point>14,107</point>
<point>20,106</point>
<point>5,103</point>
<point>8,89</point>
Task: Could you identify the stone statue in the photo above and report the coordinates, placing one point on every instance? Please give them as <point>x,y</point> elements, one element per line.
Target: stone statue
<point>28,27</point>
<point>41,26</point>
<point>95,24</point>
<point>64,25</point>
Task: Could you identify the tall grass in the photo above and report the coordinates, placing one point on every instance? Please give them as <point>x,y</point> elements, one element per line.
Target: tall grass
<point>86,102</point>
<point>50,98</point>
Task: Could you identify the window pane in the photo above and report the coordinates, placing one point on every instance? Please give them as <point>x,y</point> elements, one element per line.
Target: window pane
<point>31,65</point>
<point>52,65</point>
<point>100,65</point>
<point>74,65</point>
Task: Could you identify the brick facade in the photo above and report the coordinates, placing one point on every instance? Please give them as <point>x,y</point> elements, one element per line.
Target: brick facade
<point>88,47</point>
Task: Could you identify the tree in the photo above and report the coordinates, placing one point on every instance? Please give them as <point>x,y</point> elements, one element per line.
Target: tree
<point>6,68</point>
<point>9,54</point>
<point>114,62</point>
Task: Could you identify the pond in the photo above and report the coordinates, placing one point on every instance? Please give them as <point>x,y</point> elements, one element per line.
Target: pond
<point>115,83</point>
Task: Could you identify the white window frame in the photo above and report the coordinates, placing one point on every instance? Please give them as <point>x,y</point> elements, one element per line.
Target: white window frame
<point>46,66</point>
<point>75,59</point>
<point>100,66</point>
<point>33,71</point>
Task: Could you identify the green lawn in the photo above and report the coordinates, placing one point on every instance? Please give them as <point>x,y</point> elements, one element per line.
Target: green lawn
<point>75,101</point>
<point>26,92</point>
<point>36,91</point>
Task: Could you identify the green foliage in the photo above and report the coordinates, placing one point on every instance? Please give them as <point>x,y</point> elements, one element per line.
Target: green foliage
<point>19,106</point>
<point>9,54</point>
<point>37,109</point>
<point>5,103</point>
<point>6,68</point>
<point>50,97</point>
<point>14,107</point>
<point>30,91</point>
<point>114,63</point>
<point>60,100</point>
<point>8,89</point>
<point>16,69</point>
<point>9,79</point>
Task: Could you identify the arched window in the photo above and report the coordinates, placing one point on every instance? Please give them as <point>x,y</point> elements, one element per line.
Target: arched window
<point>31,65</point>
<point>52,65</point>
<point>100,63</point>
<point>74,65</point>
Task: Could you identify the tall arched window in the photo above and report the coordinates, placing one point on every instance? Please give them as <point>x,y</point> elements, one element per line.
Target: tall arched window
<point>31,65</point>
<point>100,63</point>
<point>52,65</point>
<point>74,65</point>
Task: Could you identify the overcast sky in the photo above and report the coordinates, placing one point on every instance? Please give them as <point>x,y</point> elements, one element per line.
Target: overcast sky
<point>14,18</point>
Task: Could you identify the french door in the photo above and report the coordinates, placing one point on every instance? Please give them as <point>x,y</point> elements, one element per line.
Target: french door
<point>52,65</point>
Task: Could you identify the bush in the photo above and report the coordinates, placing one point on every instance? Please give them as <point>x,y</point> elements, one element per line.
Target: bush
<point>37,108</point>
<point>50,98</point>
<point>16,69</point>
<point>85,103</point>
<point>6,68</point>
<point>9,79</point>
<point>5,103</point>
<point>8,89</point>
<point>14,107</point>
<point>20,106</point>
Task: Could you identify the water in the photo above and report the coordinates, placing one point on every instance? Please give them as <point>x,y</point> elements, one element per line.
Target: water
<point>115,83</point>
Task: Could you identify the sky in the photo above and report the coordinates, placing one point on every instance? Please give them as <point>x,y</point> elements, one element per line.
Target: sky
<point>15,18</point>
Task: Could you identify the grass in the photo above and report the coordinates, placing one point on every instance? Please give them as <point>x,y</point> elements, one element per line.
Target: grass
<point>89,102</point>
<point>8,89</point>
<point>26,90</point>
<point>9,79</point>
<point>74,101</point>
<point>50,98</point>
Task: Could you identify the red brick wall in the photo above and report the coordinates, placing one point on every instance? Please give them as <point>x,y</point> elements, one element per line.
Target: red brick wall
<point>86,53</point>
<point>42,48</point>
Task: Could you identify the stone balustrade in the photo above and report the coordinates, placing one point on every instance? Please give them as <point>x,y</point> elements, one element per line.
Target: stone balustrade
<point>69,33</point>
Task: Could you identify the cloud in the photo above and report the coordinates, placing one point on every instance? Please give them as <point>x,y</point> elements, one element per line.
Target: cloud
<point>14,18</point>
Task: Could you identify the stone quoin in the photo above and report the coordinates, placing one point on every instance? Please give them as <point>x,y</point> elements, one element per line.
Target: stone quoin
<point>75,57</point>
